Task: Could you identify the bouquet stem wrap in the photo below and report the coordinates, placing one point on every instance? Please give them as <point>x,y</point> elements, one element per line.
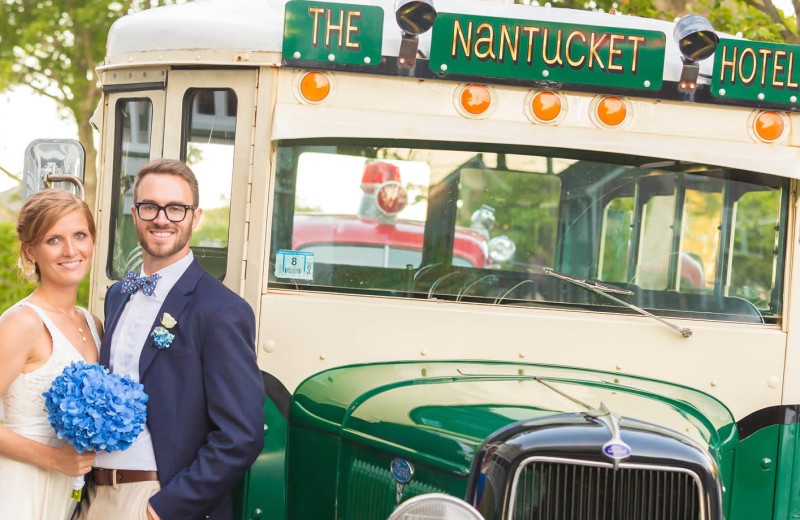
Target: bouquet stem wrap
<point>94,410</point>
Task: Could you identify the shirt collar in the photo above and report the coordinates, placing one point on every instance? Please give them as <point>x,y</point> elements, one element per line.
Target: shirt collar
<point>170,275</point>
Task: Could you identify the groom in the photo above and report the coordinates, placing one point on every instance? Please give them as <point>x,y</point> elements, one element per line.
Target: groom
<point>190,341</point>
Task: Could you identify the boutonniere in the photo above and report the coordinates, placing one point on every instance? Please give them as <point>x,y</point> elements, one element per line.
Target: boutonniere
<point>162,338</point>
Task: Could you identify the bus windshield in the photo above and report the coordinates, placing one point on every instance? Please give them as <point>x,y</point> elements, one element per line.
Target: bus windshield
<point>484,223</point>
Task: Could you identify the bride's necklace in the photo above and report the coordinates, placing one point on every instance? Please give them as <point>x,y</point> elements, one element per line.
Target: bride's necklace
<point>80,329</point>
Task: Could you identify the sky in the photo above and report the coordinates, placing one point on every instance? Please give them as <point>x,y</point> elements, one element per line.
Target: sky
<point>25,116</point>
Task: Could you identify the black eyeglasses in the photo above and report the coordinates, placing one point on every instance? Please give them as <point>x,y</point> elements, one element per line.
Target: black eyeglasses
<point>173,212</point>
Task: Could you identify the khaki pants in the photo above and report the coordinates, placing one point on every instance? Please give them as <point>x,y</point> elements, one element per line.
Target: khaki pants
<point>120,502</point>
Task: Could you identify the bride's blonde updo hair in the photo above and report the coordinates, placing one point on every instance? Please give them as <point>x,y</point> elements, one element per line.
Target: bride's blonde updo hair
<point>40,213</point>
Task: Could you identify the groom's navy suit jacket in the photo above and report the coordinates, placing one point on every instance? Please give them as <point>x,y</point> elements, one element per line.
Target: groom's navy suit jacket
<point>206,407</point>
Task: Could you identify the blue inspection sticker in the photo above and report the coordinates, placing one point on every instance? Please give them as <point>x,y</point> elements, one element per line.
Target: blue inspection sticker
<point>294,264</point>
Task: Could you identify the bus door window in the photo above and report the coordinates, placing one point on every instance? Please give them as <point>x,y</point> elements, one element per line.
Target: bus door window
<point>131,150</point>
<point>207,147</point>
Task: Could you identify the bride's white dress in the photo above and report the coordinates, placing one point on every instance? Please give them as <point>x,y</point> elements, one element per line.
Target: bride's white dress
<point>28,492</point>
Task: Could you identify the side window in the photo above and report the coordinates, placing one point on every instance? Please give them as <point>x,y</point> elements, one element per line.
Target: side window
<point>700,236</point>
<point>656,242</point>
<point>131,150</point>
<point>209,132</point>
<point>617,238</point>
<point>756,239</point>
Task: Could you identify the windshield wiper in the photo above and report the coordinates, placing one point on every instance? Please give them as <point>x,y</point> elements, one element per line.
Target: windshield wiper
<point>604,290</point>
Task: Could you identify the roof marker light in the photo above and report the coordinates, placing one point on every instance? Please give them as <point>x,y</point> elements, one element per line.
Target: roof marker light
<point>611,111</point>
<point>546,106</point>
<point>475,99</point>
<point>315,86</point>
<point>768,126</point>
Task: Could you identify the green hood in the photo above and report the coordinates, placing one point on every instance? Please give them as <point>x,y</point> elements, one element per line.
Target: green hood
<point>441,412</point>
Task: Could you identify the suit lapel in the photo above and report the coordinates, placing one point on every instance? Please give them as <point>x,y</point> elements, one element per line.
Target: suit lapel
<point>176,301</point>
<point>110,325</point>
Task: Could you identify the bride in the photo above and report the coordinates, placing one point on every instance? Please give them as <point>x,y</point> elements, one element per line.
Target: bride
<point>39,336</point>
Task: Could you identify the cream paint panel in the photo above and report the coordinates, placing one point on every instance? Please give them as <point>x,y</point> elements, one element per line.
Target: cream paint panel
<point>244,83</point>
<point>260,190</point>
<point>105,185</point>
<point>356,108</point>
<point>304,333</point>
<point>791,388</point>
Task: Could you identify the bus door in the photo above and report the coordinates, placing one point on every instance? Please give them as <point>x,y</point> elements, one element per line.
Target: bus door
<point>133,123</point>
<point>209,123</point>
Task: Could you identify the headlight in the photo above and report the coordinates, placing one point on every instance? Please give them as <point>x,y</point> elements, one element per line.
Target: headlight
<point>435,506</point>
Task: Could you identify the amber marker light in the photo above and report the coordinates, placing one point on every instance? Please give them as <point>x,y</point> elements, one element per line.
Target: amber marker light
<point>546,106</point>
<point>476,99</point>
<point>769,126</point>
<point>611,111</point>
<point>315,86</point>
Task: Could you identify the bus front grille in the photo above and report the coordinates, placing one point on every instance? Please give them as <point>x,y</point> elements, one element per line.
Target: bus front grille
<point>552,489</point>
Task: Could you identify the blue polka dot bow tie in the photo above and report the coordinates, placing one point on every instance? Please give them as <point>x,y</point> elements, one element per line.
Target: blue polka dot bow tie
<point>133,282</point>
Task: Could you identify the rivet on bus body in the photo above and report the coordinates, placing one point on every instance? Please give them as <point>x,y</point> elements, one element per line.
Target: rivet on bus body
<point>424,372</point>
<point>713,383</point>
<point>768,126</point>
<point>367,60</point>
<point>443,67</point>
<point>619,367</point>
<point>268,346</point>
<point>296,55</point>
<point>322,357</point>
<point>331,57</point>
<point>647,83</point>
<point>144,74</point>
<point>545,73</point>
<point>423,352</point>
<point>793,99</point>
<point>766,463</point>
<point>521,355</point>
<point>773,382</point>
<point>761,96</point>
<point>722,92</point>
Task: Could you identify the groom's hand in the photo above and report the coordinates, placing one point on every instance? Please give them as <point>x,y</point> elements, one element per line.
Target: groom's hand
<point>151,513</point>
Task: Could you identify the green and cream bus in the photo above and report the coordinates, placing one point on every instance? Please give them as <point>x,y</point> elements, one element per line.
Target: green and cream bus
<point>507,262</point>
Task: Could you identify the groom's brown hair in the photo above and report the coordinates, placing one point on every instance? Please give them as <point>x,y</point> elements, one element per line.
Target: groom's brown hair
<point>169,167</point>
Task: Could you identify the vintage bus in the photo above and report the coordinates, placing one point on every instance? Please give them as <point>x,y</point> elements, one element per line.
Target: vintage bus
<point>507,262</point>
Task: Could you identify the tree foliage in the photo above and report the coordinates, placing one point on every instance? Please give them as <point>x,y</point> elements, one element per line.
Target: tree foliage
<point>755,19</point>
<point>53,47</point>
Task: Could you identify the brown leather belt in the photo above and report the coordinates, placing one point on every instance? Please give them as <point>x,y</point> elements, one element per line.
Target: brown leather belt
<point>112,477</point>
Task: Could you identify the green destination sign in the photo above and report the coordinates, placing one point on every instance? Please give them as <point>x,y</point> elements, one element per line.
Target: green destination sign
<point>335,33</point>
<point>756,71</point>
<point>532,50</point>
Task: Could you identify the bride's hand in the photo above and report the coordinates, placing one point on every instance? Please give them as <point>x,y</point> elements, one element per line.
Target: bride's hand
<point>69,462</point>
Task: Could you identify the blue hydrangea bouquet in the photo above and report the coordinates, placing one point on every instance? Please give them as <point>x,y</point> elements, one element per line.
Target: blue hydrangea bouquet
<point>94,410</point>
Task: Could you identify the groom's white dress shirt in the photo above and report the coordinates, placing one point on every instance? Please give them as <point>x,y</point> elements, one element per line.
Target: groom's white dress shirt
<point>130,335</point>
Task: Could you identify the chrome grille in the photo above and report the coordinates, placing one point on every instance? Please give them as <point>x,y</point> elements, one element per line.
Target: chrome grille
<point>559,489</point>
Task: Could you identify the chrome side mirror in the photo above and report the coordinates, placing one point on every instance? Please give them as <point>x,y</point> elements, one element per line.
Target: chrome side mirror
<point>53,163</point>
